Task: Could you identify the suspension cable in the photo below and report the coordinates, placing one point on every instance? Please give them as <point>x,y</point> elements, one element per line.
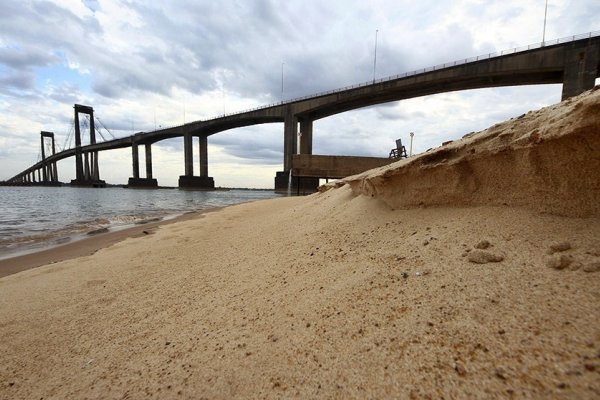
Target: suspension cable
<point>100,133</point>
<point>69,132</point>
<point>105,128</point>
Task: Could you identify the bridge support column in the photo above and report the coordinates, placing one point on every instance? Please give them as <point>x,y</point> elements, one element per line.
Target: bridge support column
<point>581,69</point>
<point>53,165</point>
<point>135,160</point>
<point>203,148</point>
<point>78,154</point>
<point>86,166</point>
<point>45,168</point>
<point>290,138</point>
<point>86,169</point>
<point>284,181</point>
<point>136,181</point>
<point>149,161</point>
<point>306,128</point>
<point>48,169</point>
<point>188,154</point>
<point>189,181</point>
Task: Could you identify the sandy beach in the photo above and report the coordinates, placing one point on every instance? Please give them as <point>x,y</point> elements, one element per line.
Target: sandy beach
<point>471,271</point>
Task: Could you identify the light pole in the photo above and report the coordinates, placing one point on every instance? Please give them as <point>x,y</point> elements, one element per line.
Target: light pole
<point>375,58</point>
<point>282,81</point>
<point>411,141</point>
<point>544,32</point>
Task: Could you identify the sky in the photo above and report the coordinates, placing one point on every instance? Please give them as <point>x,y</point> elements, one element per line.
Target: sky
<point>143,65</point>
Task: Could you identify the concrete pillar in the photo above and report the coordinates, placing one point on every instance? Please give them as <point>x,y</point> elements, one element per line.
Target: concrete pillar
<point>53,165</point>
<point>135,160</point>
<point>148,161</point>
<point>86,167</point>
<point>188,154</point>
<point>290,147</point>
<point>189,181</point>
<point>45,167</point>
<point>136,181</point>
<point>78,158</point>
<point>581,69</point>
<point>95,173</point>
<point>203,155</point>
<point>306,127</point>
<point>87,171</point>
<point>290,137</point>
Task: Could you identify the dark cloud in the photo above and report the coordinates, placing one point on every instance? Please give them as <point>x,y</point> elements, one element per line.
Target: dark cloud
<point>398,114</point>
<point>17,81</point>
<point>261,144</point>
<point>21,58</point>
<point>66,93</point>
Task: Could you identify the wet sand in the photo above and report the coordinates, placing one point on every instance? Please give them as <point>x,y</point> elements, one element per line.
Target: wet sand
<point>86,246</point>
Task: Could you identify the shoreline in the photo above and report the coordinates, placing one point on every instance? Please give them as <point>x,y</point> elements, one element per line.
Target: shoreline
<point>89,245</point>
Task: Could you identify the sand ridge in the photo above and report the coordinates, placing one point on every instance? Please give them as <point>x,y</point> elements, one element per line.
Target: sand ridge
<point>334,295</point>
<point>546,160</point>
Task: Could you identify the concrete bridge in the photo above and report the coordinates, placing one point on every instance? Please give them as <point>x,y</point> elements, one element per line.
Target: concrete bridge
<point>572,61</point>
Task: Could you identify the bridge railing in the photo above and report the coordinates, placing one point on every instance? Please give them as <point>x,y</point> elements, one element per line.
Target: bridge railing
<point>488,56</point>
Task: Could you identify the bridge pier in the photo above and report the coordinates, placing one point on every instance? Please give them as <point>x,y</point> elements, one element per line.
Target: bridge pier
<point>49,172</point>
<point>581,69</point>
<point>136,181</point>
<point>189,181</point>
<point>86,164</point>
<point>284,181</point>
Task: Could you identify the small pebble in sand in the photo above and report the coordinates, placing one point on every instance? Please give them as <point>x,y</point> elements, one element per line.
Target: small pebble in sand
<point>460,369</point>
<point>559,247</point>
<point>484,244</point>
<point>484,257</point>
<point>500,373</point>
<point>560,262</point>
<point>592,267</point>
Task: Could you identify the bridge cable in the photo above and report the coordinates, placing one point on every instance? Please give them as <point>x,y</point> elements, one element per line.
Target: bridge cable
<point>69,132</point>
<point>105,128</point>
<point>100,133</point>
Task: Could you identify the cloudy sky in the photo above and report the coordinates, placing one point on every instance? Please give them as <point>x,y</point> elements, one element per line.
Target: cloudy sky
<point>146,64</point>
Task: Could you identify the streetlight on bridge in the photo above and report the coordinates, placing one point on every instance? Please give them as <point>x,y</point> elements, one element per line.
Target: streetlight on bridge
<point>282,63</point>
<point>375,58</point>
<point>544,32</point>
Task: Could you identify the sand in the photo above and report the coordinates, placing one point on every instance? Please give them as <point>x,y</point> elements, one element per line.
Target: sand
<point>355,292</point>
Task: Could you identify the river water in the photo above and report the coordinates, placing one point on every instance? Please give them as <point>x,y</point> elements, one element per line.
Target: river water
<point>32,218</point>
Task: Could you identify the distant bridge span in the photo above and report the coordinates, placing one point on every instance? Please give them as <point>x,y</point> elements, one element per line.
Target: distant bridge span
<point>574,62</point>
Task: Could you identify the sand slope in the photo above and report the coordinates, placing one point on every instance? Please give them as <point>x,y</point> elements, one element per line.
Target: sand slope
<point>547,160</point>
<point>335,295</point>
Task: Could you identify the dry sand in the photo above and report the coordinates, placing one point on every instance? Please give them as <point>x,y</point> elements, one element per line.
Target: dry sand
<point>357,292</point>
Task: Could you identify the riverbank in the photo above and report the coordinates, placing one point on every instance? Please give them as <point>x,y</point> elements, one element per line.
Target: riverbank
<point>37,218</point>
<point>88,245</point>
<point>355,292</point>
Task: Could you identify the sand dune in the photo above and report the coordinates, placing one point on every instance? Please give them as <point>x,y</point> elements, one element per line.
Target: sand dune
<point>546,160</point>
<point>433,277</point>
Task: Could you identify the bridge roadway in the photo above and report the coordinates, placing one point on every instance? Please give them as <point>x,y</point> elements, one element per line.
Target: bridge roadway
<point>574,62</point>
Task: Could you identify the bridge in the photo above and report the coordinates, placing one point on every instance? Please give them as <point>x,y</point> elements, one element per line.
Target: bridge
<point>573,61</point>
